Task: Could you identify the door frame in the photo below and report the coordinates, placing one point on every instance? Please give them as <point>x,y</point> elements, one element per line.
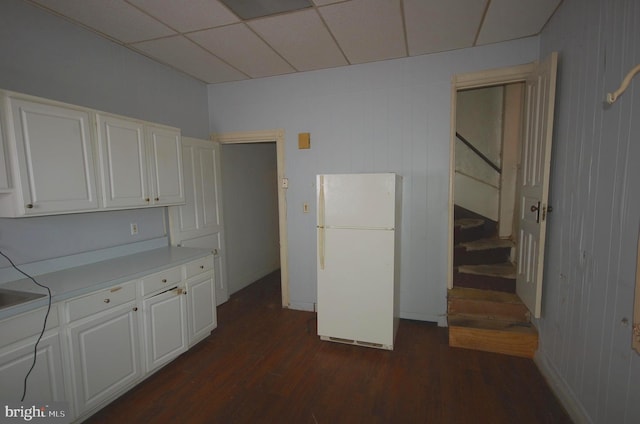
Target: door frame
<point>270,136</point>
<point>499,76</point>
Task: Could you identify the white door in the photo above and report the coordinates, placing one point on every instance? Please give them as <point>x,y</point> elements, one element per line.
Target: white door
<point>199,222</point>
<point>534,185</point>
<point>165,152</point>
<point>123,162</point>
<point>201,307</point>
<point>45,382</point>
<point>105,356</point>
<point>356,285</point>
<point>55,156</point>
<point>357,200</point>
<point>165,325</point>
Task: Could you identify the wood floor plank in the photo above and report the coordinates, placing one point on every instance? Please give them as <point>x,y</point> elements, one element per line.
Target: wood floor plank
<point>265,364</point>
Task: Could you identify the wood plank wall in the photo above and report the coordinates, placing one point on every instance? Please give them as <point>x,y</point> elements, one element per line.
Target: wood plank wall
<point>585,332</point>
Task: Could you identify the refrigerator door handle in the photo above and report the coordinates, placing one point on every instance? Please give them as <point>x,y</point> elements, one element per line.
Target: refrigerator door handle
<point>321,221</point>
<point>321,246</point>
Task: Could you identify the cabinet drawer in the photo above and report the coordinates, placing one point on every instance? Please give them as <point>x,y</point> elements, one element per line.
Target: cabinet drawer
<point>101,300</point>
<point>26,325</point>
<point>199,266</point>
<point>161,280</point>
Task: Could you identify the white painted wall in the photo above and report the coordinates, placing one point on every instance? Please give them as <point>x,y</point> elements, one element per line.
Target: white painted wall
<point>585,331</point>
<point>378,117</point>
<point>250,201</point>
<point>479,120</point>
<point>49,57</point>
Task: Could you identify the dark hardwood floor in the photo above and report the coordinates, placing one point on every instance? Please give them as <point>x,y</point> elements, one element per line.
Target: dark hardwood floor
<point>265,364</point>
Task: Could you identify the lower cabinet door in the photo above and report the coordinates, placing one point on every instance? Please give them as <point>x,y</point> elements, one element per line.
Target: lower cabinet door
<point>105,356</point>
<point>45,383</point>
<point>165,326</point>
<point>201,307</point>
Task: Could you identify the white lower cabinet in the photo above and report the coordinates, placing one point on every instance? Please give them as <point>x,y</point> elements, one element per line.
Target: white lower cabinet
<point>45,383</point>
<point>99,345</point>
<point>105,356</point>
<point>104,351</point>
<point>201,305</point>
<point>165,327</point>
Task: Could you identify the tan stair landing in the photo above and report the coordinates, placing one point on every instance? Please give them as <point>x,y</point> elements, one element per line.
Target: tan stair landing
<point>490,321</point>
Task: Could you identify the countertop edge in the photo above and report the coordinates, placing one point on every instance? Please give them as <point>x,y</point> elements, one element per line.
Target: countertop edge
<point>151,261</point>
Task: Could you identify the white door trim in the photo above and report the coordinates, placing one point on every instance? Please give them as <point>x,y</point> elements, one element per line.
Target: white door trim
<point>499,76</point>
<point>269,136</point>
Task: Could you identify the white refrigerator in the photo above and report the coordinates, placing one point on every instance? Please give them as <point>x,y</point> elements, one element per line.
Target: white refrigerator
<point>358,219</point>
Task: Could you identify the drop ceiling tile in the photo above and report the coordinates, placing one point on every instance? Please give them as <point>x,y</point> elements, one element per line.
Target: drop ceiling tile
<point>183,54</point>
<point>436,25</point>
<point>238,45</point>
<point>302,39</point>
<point>114,18</point>
<point>200,14</point>
<point>367,30</point>
<point>251,9</point>
<point>511,19</point>
<point>325,2</point>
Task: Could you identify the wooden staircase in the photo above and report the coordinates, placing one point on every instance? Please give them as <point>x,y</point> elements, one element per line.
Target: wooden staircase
<point>484,312</point>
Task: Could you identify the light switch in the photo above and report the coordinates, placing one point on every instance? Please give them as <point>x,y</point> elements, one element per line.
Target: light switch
<point>304,140</point>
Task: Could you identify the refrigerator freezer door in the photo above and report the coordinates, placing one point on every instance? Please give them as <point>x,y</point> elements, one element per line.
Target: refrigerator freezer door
<point>355,288</point>
<point>357,200</point>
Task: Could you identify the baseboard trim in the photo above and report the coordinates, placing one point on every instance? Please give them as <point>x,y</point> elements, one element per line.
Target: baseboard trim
<point>561,389</point>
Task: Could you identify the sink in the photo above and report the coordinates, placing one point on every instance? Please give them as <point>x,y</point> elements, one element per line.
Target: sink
<point>16,297</point>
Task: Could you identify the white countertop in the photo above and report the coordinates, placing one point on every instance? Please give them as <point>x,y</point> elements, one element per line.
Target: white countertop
<point>72,282</point>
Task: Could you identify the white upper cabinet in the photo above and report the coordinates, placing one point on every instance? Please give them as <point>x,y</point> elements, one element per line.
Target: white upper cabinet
<point>52,151</point>
<point>123,164</point>
<point>165,164</point>
<point>140,164</point>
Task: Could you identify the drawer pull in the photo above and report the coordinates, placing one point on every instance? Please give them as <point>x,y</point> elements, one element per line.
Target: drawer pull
<point>201,266</point>
<point>115,289</point>
<point>164,280</point>
<point>107,300</point>
<point>135,309</point>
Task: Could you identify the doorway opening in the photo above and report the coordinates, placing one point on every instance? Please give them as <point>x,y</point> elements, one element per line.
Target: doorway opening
<point>277,137</point>
<point>488,127</point>
<point>498,205</point>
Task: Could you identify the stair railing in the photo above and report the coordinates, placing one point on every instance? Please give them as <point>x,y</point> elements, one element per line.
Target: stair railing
<point>475,150</point>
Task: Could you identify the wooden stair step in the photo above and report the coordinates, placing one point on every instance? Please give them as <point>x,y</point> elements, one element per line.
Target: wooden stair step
<point>505,337</point>
<point>487,243</point>
<point>487,304</point>
<point>486,277</point>
<point>483,251</point>
<point>502,270</point>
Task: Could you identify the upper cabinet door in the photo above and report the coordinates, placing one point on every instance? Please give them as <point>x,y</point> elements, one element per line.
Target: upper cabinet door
<point>165,154</point>
<point>123,164</point>
<point>55,158</point>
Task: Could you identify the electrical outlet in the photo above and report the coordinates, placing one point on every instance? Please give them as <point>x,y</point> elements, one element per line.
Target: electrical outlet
<point>134,228</point>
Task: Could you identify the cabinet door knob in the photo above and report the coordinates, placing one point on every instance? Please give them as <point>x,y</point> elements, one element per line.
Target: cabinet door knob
<point>201,266</point>
<point>135,309</point>
<point>107,300</point>
<point>157,199</point>
<point>164,280</point>
<point>29,205</point>
<point>147,200</point>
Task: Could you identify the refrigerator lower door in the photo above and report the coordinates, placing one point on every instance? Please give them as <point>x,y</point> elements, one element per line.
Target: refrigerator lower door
<point>355,286</point>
